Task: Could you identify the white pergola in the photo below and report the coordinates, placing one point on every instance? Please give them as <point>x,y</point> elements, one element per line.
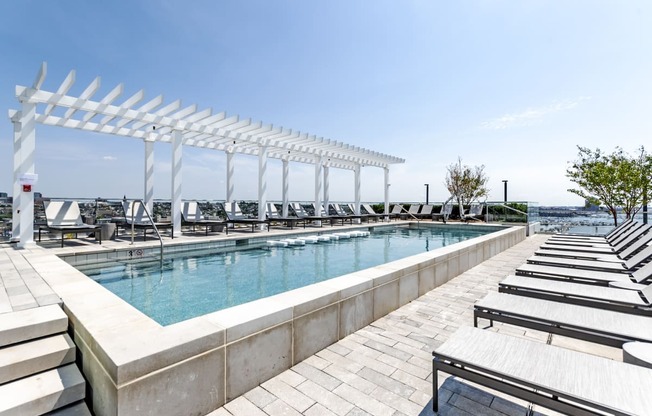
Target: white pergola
<point>152,121</point>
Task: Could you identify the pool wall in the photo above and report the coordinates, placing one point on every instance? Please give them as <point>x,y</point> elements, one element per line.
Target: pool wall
<point>135,366</point>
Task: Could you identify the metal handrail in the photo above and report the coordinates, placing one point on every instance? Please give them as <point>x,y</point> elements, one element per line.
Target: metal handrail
<point>133,230</point>
<point>527,216</point>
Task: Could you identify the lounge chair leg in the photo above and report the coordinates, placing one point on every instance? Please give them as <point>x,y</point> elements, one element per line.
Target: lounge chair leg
<point>435,388</point>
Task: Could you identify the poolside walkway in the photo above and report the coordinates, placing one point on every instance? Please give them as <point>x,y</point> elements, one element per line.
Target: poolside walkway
<point>386,368</point>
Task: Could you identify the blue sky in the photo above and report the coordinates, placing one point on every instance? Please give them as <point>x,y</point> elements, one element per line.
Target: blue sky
<point>511,85</point>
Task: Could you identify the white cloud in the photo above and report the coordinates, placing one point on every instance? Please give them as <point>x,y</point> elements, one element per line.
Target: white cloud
<point>109,158</point>
<point>531,115</point>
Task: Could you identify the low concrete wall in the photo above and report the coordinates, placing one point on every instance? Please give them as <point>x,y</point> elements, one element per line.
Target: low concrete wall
<point>134,365</point>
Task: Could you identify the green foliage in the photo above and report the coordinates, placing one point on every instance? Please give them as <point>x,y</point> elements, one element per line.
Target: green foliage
<point>466,184</point>
<point>615,180</point>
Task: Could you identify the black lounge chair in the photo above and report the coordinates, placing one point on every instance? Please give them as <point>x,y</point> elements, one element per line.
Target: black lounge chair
<point>191,215</point>
<point>567,381</point>
<point>236,216</point>
<point>581,322</point>
<point>136,218</point>
<point>629,301</point>
<point>273,215</point>
<point>65,217</point>
<point>444,213</point>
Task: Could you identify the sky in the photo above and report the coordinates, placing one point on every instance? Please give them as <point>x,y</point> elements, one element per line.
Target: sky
<point>514,86</point>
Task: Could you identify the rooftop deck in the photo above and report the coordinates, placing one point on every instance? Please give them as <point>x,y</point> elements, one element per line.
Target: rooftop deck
<point>383,369</point>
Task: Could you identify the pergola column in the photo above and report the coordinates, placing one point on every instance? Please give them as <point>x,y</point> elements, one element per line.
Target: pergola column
<point>326,188</point>
<point>230,169</point>
<point>286,187</point>
<point>24,148</point>
<point>357,188</point>
<point>262,182</point>
<point>386,212</point>
<point>319,167</point>
<point>177,159</point>
<point>148,196</point>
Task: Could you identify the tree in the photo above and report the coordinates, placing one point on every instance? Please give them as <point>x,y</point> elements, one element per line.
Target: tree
<point>466,184</point>
<point>614,180</point>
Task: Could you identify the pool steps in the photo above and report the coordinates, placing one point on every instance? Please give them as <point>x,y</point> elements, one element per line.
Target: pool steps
<point>314,239</point>
<point>37,364</point>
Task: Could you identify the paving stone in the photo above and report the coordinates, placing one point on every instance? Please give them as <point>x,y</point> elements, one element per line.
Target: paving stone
<point>259,396</point>
<point>350,378</point>
<point>402,404</point>
<point>363,401</point>
<point>318,410</point>
<point>329,400</point>
<point>280,408</point>
<point>318,376</point>
<point>291,378</point>
<point>386,382</point>
<point>243,407</point>
<point>288,394</point>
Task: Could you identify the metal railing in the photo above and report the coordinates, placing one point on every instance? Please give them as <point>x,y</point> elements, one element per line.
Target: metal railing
<point>151,220</point>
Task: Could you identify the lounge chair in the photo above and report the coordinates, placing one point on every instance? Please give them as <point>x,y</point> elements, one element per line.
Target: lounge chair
<point>304,215</point>
<point>191,215</point>
<point>444,213</point>
<point>589,324</point>
<point>425,212</point>
<point>65,217</point>
<point>633,242</point>
<point>136,218</point>
<point>474,213</point>
<point>411,213</point>
<point>234,215</point>
<point>613,264</point>
<point>641,275</point>
<point>566,381</point>
<point>274,215</point>
<point>337,212</point>
<point>615,299</point>
<point>370,213</point>
<point>616,230</point>
<point>396,212</point>
<point>599,242</point>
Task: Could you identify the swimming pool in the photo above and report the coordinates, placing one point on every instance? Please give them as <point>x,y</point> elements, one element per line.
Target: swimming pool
<point>187,287</point>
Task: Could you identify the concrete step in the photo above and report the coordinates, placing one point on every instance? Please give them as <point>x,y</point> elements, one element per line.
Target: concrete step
<point>77,409</point>
<point>32,323</point>
<point>43,392</point>
<point>22,360</point>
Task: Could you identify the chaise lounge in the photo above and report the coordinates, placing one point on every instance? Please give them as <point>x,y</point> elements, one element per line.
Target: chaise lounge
<point>590,324</point>
<point>560,379</point>
<point>628,301</point>
<point>65,217</point>
<point>191,215</point>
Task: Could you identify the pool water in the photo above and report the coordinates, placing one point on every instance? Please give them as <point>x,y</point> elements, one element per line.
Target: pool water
<point>183,288</point>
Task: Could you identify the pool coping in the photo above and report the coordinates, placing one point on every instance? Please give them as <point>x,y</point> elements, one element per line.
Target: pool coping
<point>131,362</point>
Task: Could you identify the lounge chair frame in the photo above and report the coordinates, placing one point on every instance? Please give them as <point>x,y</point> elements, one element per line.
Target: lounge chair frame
<point>582,298</point>
<point>136,222</point>
<point>545,324</point>
<point>529,389</point>
<point>77,225</point>
<point>239,218</point>
<point>199,219</point>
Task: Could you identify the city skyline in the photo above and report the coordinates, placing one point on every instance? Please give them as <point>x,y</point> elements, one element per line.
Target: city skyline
<point>514,87</point>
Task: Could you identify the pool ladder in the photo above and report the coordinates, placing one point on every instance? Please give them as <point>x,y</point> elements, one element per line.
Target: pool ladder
<point>149,217</point>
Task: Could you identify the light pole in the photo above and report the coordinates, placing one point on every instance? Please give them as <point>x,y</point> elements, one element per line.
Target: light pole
<point>427,185</point>
<point>505,182</point>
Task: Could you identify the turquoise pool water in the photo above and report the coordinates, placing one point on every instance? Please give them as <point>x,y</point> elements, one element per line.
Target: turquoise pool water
<point>187,287</point>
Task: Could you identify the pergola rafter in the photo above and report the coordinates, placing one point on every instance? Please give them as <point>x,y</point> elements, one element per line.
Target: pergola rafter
<point>155,121</point>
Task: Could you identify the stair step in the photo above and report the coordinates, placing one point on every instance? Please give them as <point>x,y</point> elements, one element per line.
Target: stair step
<point>21,360</point>
<point>42,393</point>
<point>77,409</point>
<point>32,323</point>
